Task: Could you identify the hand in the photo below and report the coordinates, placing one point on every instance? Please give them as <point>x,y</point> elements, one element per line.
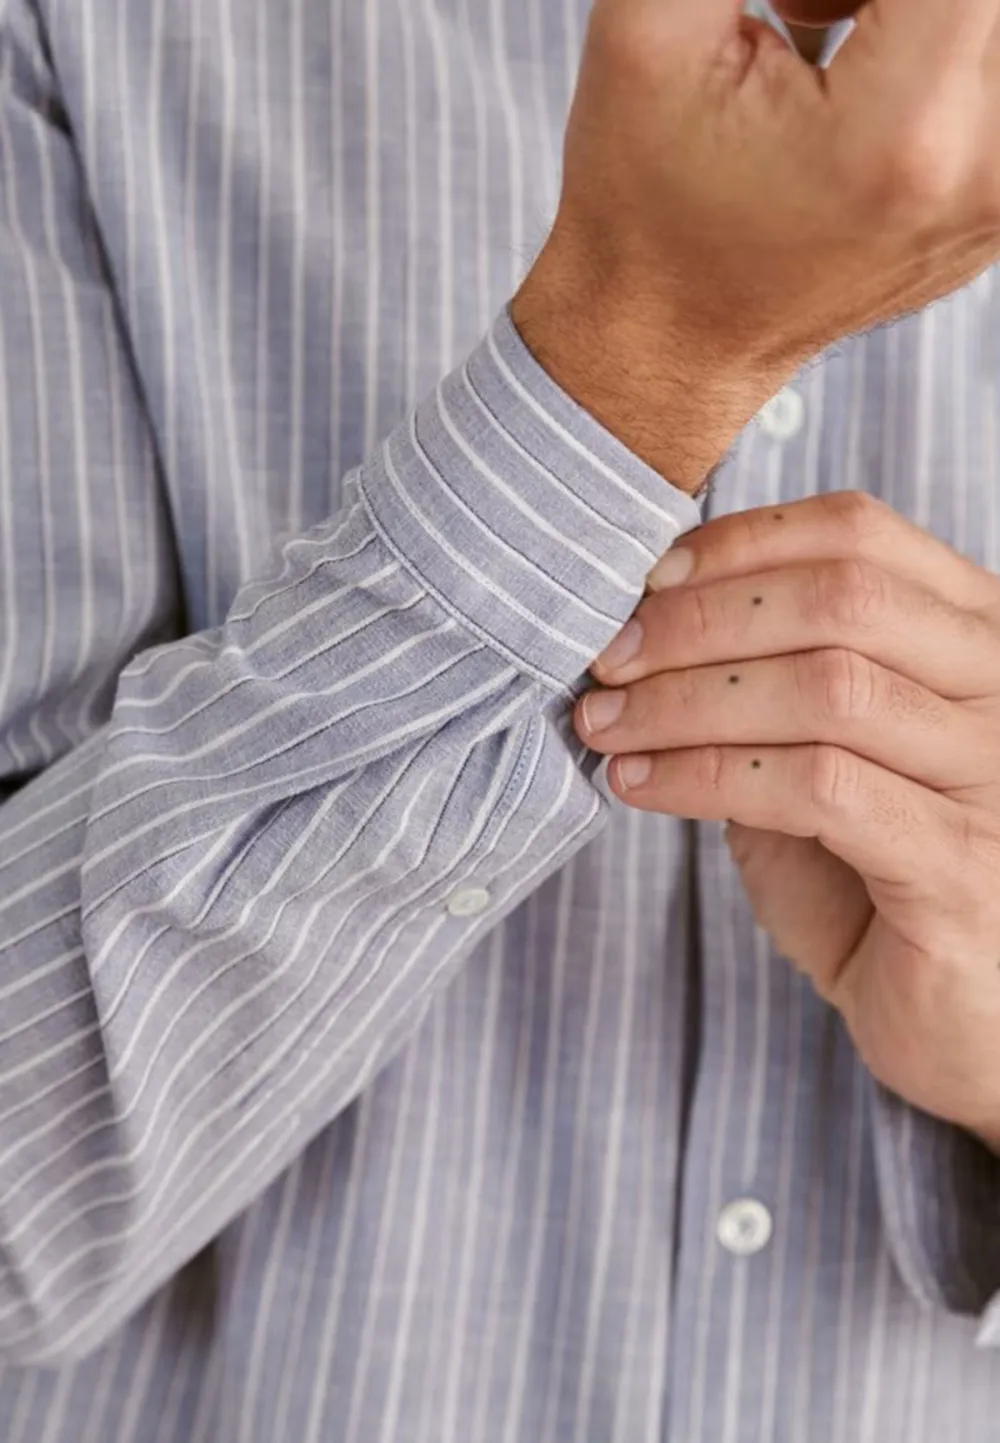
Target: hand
<point>828,677</point>
<point>728,211</point>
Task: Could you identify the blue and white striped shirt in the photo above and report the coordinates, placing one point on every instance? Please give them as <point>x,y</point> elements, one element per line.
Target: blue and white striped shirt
<point>364,1076</point>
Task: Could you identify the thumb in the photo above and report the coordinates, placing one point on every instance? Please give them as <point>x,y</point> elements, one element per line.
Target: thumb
<point>813,906</point>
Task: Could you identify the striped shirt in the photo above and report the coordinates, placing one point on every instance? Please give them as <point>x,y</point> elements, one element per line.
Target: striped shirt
<point>365,1076</point>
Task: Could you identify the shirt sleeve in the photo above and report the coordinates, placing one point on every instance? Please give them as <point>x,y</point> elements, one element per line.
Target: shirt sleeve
<point>236,870</point>
<point>940,1195</point>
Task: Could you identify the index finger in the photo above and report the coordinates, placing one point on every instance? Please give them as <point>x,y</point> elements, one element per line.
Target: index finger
<point>849,525</point>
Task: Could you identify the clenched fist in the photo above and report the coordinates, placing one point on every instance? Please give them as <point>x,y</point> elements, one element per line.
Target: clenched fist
<point>827,676</point>
<point>729,211</point>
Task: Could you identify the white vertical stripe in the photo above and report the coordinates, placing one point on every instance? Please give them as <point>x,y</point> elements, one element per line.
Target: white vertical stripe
<point>310,1407</point>
<point>298,97</point>
<point>143,1370</point>
<point>306,1307</point>
<point>594,968</point>
<point>928,333</point>
<point>271,1278</point>
<point>8,564</point>
<point>337,212</point>
<point>513,1146</point>
<point>467,1234</point>
<point>449,1022</point>
<point>650,1242</point>
<point>534,1225</point>
<point>224,319</point>
<point>373,216</point>
<point>609,1200</point>
<point>389,1201</point>
<point>515,147</point>
<point>869,1426</point>
<point>263,17</point>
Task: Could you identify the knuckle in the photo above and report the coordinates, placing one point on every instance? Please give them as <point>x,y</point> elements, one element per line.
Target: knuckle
<point>917,170</point>
<point>912,702</point>
<point>839,684</point>
<point>849,596</point>
<point>698,618</point>
<point>710,768</point>
<point>976,847</point>
<point>834,779</point>
<point>687,692</point>
<point>857,515</point>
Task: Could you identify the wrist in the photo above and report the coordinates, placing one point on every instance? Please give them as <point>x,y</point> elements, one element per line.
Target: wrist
<point>677,402</point>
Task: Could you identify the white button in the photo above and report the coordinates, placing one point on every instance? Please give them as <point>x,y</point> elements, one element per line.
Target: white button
<point>745,1226</point>
<point>784,415</point>
<point>469,902</point>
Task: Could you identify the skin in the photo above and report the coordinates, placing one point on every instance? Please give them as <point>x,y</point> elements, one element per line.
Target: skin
<point>857,194</point>
<point>828,680</point>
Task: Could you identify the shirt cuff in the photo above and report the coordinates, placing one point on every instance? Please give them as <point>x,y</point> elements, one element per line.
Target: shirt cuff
<point>940,1193</point>
<point>520,513</point>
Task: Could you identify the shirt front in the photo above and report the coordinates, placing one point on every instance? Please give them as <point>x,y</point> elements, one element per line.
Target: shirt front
<point>365,1074</point>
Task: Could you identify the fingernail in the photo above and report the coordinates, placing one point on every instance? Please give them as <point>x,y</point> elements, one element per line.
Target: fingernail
<point>634,771</point>
<point>625,648</point>
<point>673,570</point>
<point>601,709</point>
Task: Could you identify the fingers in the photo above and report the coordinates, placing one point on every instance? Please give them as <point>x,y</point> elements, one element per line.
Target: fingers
<point>852,605</point>
<point>845,524</point>
<point>830,696</point>
<point>891,830</point>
